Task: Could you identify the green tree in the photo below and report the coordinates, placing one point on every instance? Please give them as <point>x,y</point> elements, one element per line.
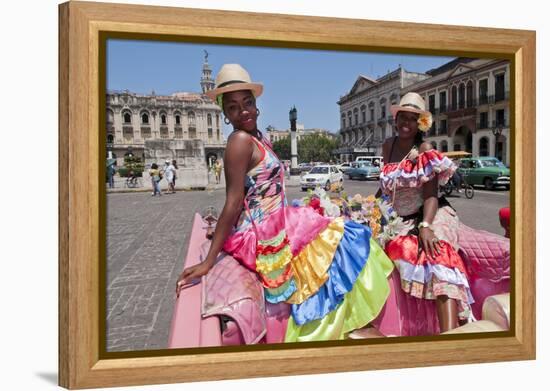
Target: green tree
<point>282,148</point>
<point>316,148</point>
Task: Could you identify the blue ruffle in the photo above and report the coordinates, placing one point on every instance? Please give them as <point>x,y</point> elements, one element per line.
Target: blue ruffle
<point>289,291</point>
<point>350,258</point>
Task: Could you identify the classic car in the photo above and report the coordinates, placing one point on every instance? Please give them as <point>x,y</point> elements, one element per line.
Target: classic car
<point>363,170</point>
<point>485,171</point>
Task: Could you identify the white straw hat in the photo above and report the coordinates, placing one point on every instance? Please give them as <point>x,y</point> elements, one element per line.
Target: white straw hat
<point>233,77</point>
<point>411,102</point>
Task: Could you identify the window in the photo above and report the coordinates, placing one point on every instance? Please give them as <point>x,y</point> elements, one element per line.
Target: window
<point>218,134</point>
<point>372,114</point>
<point>500,118</point>
<point>484,146</point>
<point>443,101</point>
<point>431,103</point>
<point>145,118</point>
<point>110,139</point>
<point>217,122</point>
<point>209,120</point>
<point>483,120</point>
<point>444,147</point>
<point>363,113</point>
<point>483,88</point>
<point>178,120</point>
<point>470,94</point>
<point>192,133</point>
<point>461,96</point>
<point>499,87</point>
<point>383,115</point>
<point>163,119</point>
<point>210,133</point>
<point>457,147</point>
<point>356,116</point>
<point>127,118</point>
<point>443,126</point>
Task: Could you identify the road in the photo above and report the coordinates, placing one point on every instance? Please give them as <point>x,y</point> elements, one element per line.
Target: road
<point>147,239</point>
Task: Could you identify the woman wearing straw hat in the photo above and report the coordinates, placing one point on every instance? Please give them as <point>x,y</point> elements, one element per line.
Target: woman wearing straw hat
<point>330,271</point>
<point>426,257</point>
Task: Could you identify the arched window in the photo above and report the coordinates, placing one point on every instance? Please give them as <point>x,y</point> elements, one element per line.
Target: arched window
<point>363,113</point>
<point>127,118</point>
<point>110,139</point>
<point>444,147</point>
<point>484,146</point>
<point>145,118</point>
<point>343,120</point>
<point>356,116</point>
<point>163,119</point>
<point>209,119</point>
<point>178,120</point>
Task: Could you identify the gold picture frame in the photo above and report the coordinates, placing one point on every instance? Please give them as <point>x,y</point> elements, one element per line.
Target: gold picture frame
<point>82,26</point>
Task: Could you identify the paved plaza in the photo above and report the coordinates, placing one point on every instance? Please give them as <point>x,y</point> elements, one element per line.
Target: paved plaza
<point>147,240</point>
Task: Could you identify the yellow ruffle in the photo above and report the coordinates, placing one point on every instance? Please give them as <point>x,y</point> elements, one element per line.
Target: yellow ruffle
<point>270,262</point>
<point>310,266</point>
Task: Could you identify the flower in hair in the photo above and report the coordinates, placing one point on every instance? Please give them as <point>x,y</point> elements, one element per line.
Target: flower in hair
<point>425,122</point>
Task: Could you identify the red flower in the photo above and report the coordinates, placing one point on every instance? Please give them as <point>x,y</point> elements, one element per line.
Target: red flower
<point>315,203</point>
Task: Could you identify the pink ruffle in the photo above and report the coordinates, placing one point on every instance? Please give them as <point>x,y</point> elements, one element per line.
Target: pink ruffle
<point>414,173</point>
<point>302,225</point>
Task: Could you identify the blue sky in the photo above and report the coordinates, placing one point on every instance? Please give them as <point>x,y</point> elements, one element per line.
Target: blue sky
<point>313,80</point>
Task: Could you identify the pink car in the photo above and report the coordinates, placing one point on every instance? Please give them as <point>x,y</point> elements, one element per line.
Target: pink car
<point>227,306</point>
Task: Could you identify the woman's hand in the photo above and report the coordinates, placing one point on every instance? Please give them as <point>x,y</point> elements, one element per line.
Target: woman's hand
<point>191,275</point>
<point>430,243</point>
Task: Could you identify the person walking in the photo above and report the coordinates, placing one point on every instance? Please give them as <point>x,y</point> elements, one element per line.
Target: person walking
<point>155,175</point>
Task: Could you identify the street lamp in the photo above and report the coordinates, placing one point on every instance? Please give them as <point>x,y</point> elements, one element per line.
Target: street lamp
<point>293,116</point>
<point>497,131</point>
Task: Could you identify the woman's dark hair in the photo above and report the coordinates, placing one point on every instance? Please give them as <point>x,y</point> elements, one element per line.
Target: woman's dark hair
<point>175,164</point>
<point>418,139</point>
<point>154,166</point>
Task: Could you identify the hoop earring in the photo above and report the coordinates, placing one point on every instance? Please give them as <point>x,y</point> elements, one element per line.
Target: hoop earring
<point>257,112</point>
<point>226,120</point>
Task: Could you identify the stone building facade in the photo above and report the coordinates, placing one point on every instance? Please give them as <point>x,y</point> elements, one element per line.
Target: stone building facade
<point>277,135</point>
<point>470,103</point>
<point>365,118</point>
<point>184,126</point>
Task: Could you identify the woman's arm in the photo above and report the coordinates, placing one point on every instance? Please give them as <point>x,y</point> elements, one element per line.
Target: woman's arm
<point>237,157</point>
<point>429,192</point>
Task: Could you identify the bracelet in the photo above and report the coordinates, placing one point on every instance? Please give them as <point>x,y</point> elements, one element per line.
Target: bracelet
<point>425,224</point>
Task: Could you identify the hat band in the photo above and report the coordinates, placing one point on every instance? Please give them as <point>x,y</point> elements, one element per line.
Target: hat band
<point>412,105</point>
<point>224,84</point>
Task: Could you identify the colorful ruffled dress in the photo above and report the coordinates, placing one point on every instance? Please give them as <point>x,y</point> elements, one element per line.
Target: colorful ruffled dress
<point>424,277</point>
<point>331,271</point>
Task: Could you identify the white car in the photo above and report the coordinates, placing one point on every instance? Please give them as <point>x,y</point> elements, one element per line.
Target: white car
<point>322,176</point>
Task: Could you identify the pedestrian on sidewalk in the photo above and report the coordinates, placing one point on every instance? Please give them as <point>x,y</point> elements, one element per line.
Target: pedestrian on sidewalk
<point>155,175</point>
<point>218,170</point>
<point>169,173</point>
<point>111,170</point>
<point>174,163</point>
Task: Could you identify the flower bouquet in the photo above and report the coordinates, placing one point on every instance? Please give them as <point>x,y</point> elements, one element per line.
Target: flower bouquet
<point>377,213</point>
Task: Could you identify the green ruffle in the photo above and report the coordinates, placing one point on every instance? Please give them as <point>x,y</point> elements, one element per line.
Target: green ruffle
<point>360,306</point>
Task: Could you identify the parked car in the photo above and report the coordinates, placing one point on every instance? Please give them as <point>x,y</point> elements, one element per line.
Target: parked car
<point>322,176</point>
<point>344,167</point>
<point>487,171</point>
<point>363,170</point>
<point>304,167</point>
